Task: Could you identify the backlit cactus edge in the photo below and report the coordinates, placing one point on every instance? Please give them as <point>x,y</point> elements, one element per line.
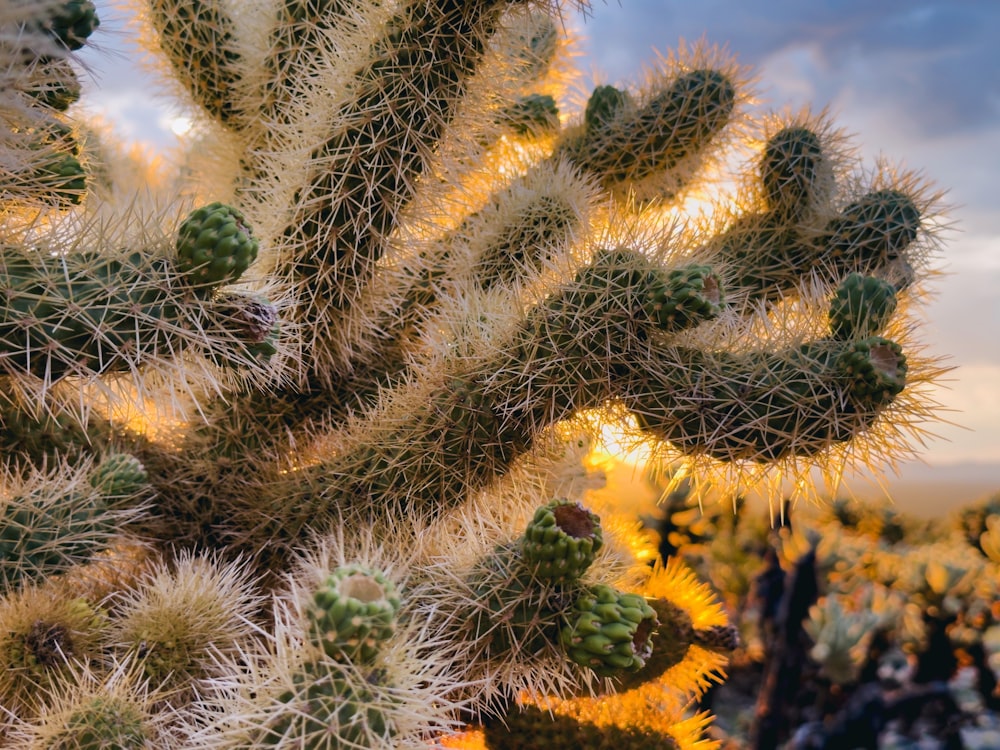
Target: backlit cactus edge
<point>282,433</point>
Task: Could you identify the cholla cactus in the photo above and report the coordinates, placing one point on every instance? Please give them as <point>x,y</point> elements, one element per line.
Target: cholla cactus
<point>393,268</point>
<point>839,638</point>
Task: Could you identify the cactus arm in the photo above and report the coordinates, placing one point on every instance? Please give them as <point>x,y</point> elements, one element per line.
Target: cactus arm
<point>91,312</point>
<point>646,148</point>
<point>295,47</point>
<point>64,518</point>
<point>197,38</point>
<point>793,230</point>
<point>87,314</point>
<point>530,726</point>
<point>767,406</point>
<point>876,234</point>
<point>400,104</point>
<point>463,428</point>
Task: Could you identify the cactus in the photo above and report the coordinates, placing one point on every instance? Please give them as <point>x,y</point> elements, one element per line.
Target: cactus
<point>561,540</point>
<point>353,613</point>
<point>611,632</point>
<point>214,246</point>
<point>61,519</point>
<point>45,630</point>
<point>393,271</point>
<point>532,727</point>
<point>71,22</point>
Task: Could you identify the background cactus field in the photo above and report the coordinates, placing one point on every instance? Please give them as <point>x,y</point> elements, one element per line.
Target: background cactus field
<point>298,431</point>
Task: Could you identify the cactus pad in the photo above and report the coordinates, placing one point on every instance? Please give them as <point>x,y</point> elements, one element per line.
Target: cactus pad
<point>215,245</point>
<point>609,631</point>
<point>353,612</point>
<point>561,540</point>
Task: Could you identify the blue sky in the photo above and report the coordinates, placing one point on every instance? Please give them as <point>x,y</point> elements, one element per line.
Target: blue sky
<point>917,82</point>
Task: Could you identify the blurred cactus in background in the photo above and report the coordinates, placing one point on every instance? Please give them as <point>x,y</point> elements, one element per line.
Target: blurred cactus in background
<point>288,434</point>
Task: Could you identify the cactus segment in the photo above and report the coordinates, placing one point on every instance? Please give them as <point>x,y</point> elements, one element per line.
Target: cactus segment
<point>790,169</point>
<point>71,23</point>
<point>531,727</point>
<point>85,313</point>
<point>45,532</point>
<point>861,307</point>
<point>54,84</point>
<point>353,613</point>
<point>330,707</point>
<point>215,246</point>
<point>766,406</point>
<point>516,613</point>
<point>531,115</point>
<point>609,632</point>
<point>197,38</point>
<point>351,204</point>
<point>623,144</point>
<point>102,723</point>
<point>874,230</point>
<point>561,540</point>
<point>604,105</point>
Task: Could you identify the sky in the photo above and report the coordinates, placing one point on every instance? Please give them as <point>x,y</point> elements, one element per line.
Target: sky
<point>915,82</point>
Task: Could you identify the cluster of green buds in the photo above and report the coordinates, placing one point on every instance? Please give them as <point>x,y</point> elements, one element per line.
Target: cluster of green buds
<point>353,613</point>
<point>561,540</point>
<point>609,631</point>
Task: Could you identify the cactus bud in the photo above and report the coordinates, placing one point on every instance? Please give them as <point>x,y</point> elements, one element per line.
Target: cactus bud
<point>688,295</point>
<point>215,246</point>
<point>878,369</point>
<point>609,631</point>
<point>861,307</point>
<point>561,540</point>
<point>353,612</point>
<point>119,475</point>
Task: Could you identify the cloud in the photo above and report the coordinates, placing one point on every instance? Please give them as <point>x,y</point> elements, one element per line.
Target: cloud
<point>936,60</point>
